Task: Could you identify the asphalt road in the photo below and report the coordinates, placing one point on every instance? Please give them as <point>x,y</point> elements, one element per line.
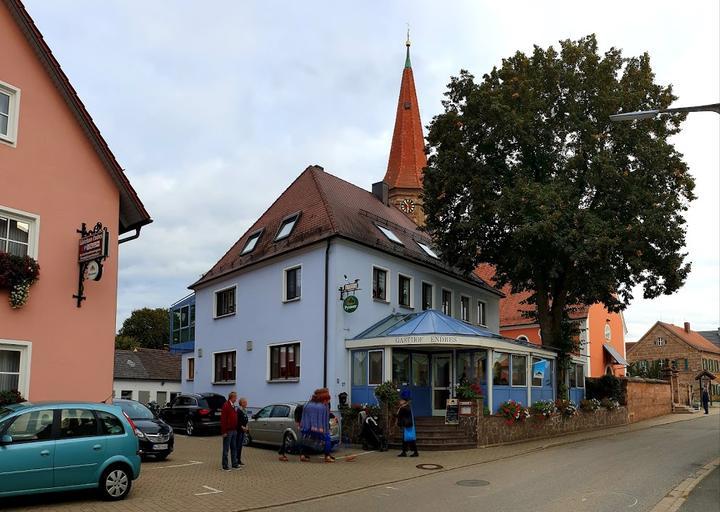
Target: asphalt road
<point>706,495</point>
<point>629,471</point>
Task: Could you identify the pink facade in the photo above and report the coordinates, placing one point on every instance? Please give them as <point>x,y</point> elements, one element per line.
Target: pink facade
<point>52,179</point>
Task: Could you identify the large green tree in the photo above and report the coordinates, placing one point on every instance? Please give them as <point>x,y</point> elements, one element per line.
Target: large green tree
<point>527,173</point>
<point>148,328</point>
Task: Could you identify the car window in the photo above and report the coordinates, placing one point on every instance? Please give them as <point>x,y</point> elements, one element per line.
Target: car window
<point>77,423</point>
<point>31,426</point>
<point>184,401</point>
<point>280,411</point>
<point>215,401</point>
<point>265,412</point>
<point>110,424</point>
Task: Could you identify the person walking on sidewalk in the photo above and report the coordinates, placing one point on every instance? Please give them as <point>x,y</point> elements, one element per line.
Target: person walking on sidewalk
<point>406,421</point>
<point>228,428</point>
<point>242,428</point>
<point>315,426</point>
<point>705,399</point>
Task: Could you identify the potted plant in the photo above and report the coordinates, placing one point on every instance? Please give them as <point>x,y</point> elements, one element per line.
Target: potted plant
<point>17,274</point>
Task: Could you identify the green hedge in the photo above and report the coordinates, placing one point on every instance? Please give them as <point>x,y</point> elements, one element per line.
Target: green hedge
<point>607,386</point>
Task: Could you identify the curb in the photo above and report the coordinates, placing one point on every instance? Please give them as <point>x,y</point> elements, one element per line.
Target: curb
<point>676,497</point>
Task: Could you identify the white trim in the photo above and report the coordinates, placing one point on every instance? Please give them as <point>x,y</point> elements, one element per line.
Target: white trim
<point>255,234</point>
<point>427,250</point>
<point>13,114</point>
<point>268,361</point>
<point>382,351</point>
<point>214,294</point>
<point>489,378</point>
<point>452,296</point>
<point>469,314</point>
<point>283,222</point>
<point>388,283</point>
<point>25,349</point>
<point>432,295</point>
<point>223,382</point>
<point>477,311</point>
<point>389,234</point>
<point>284,283</point>
<point>30,218</point>
<point>410,293</point>
<point>524,338</point>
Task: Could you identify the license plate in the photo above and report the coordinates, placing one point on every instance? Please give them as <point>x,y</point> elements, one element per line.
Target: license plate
<point>160,447</point>
<point>217,413</point>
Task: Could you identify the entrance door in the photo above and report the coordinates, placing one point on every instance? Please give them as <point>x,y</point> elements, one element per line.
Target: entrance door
<point>441,375</point>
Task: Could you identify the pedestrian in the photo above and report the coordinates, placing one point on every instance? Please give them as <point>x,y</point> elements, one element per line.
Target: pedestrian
<point>406,421</point>
<point>242,428</point>
<point>297,415</point>
<point>705,398</point>
<point>315,426</point>
<point>228,428</point>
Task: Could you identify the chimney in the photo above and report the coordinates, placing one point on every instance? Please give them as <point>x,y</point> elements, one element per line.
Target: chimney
<point>380,190</point>
<point>687,327</point>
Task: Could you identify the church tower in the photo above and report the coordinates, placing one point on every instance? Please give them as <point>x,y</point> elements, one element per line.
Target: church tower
<point>407,153</point>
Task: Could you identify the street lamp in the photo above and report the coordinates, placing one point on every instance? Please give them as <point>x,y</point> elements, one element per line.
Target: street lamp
<point>647,114</point>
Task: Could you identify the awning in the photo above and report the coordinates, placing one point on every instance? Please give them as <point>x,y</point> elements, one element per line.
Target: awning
<point>615,355</point>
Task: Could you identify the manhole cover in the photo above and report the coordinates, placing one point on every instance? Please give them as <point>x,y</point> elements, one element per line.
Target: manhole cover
<point>472,483</point>
<point>429,466</point>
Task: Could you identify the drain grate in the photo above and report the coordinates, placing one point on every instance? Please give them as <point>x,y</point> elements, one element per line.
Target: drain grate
<point>472,483</point>
<point>429,467</point>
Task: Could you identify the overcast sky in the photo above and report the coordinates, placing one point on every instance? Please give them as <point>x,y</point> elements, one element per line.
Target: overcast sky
<point>213,108</point>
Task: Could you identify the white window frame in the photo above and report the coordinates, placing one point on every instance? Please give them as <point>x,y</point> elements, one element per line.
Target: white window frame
<point>268,362</point>
<point>224,382</point>
<point>427,250</point>
<point>32,220</point>
<point>388,284</point>
<point>410,295</point>
<point>432,295</point>
<point>256,236</point>
<point>215,296</point>
<point>382,367</point>
<point>284,283</point>
<point>13,114</point>
<point>469,302</point>
<point>452,298</point>
<point>484,322</point>
<point>25,349</point>
<point>389,234</point>
<point>524,338</point>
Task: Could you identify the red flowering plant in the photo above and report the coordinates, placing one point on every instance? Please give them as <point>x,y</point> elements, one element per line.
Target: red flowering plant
<point>469,391</point>
<point>513,412</point>
<point>17,274</point>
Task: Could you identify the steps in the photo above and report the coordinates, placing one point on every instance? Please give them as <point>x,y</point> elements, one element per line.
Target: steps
<point>683,409</point>
<point>433,434</point>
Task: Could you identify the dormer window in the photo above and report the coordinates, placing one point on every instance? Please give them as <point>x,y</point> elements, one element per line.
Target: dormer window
<point>287,226</point>
<point>427,250</point>
<point>251,242</point>
<point>389,235</point>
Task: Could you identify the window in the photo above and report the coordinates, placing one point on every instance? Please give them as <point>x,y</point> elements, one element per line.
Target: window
<point>161,398</point>
<point>224,367</point>
<point>427,296</point>
<point>359,368</point>
<point>540,369</point>
<point>285,362</point>
<point>420,370</point>
<point>580,377</point>
<point>183,323</point>
<point>9,369</point>
<point>292,278</point>
<point>426,248</point>
<point>379,283</point>
<point>190,368</point>
<point>9,109</point>
<point>17,234</point>
<point>110,425</point>
<point>447,302</point>
<point>251,242</point>
<point>77,423</point>
<point>608,332</point>
<point>225,302</point>
<point>376,367</point>
<point>287,226</point>
<point>482,320</point>
<point>524,338</point>
<point>464,308</point>
<point>660,341</point>
<point>401,368</point>
<point>501,369</point>
<point>280,411</point>
<point>126,394</point>
<point>389,235</point>
<point>519,370</point>
<point>572,374</point>
<point>404,291</point>
<point>264,412</point>
<point>31,426</point>
<point>143,397</point>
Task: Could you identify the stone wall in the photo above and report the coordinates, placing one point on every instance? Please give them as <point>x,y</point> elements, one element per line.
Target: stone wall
<point>647,398</point>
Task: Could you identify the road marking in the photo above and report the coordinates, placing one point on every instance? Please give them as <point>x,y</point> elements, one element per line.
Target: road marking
<point>210,489</point>
<point>191,463</point>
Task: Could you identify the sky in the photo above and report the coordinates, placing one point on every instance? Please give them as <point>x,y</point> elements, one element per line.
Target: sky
<point>214,108</point>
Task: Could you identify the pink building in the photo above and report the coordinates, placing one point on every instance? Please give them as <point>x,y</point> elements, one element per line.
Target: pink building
<point>56,173</point>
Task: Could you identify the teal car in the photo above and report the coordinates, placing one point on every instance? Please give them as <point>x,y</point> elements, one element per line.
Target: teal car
<point>62,446</point>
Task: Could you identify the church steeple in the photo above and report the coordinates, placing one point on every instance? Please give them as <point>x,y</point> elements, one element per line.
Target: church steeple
<point>407,152</point>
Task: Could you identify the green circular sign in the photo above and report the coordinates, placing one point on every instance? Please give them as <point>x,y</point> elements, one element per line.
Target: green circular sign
<point>350,303</point>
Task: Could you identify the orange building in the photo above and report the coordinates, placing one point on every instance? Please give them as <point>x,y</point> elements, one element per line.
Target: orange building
<point>56,174</point>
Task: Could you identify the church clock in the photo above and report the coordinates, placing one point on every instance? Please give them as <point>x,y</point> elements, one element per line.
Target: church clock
<point>407,205</point>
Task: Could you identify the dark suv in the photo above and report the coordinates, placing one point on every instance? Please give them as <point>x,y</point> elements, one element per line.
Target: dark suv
<point>194,412</point>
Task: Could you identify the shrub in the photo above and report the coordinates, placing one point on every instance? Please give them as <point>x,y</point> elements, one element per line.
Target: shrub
<point>513,412</point>
<point>10,397</point>
<point>609,404</point>
<point>543,408</point>
<point>387,393</point>
<point>469,391</point>
<point>590,405</point>
<point>566,408</point>
<point>607,386</point>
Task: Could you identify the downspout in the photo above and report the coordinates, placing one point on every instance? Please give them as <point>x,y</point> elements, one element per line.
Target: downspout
<point>132,237</point>
<point>325,335</point>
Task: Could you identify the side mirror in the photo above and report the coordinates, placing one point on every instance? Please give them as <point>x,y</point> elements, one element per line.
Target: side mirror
<point>6,439</point>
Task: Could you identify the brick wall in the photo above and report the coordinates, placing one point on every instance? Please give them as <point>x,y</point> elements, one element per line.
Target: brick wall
<point>647,398</point>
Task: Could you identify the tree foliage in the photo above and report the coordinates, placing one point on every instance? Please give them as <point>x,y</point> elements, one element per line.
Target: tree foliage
<point>148,328</point>
<point>527,173</point>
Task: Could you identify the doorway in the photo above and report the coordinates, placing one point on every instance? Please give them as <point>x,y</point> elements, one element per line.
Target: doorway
<point>441,379</point>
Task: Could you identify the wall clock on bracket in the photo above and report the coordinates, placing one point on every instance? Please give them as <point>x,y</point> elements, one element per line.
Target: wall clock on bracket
<point>407,205</point>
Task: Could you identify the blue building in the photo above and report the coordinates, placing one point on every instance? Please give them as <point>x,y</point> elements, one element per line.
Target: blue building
<point>182,325</point>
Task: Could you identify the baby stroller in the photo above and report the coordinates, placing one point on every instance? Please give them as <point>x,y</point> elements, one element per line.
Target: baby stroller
<point>371,434</point>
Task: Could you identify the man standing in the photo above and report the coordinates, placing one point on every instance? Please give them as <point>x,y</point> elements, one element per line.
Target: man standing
<point>705,398</point>
<point>228,427</point>
<point>242,428</point>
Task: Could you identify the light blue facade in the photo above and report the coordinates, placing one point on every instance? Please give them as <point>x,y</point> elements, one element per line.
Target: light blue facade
<point>182,325</point>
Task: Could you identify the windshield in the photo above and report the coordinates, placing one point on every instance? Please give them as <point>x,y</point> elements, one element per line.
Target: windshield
<point>136,410</point>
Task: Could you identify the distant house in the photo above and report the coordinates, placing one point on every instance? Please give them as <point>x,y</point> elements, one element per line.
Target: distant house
<point>712,336</point>
<point>686,350</point>
<point>146,375</point>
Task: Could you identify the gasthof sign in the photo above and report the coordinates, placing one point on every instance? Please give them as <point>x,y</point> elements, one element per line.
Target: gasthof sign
<point>92,247</point>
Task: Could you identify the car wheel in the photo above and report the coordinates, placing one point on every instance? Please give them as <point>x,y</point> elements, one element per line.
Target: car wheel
<point>288,443</point>
<point>115,483</point>
<point>190,427</point>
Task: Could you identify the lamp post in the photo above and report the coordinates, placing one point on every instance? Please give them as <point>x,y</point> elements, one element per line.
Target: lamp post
<point>647,114</point>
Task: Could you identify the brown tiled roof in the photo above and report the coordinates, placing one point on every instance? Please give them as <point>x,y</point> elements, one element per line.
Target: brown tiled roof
<point>513,305</point>
<point>132,212</point>
<point>692,338</point>
<point>147,364</point>
<point>330,207</point>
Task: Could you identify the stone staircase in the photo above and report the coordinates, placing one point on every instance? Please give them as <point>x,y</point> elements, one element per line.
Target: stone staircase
<point>683,409</point>
<point>433,434</point>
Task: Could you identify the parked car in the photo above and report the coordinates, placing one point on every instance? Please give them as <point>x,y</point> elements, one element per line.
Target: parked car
<point>61,446</point>
<point>275,425</point>
<point>194,412</point>
<point>156,437</point>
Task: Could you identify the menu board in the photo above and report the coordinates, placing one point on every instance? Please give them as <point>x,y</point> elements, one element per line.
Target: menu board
<point>452,412</point>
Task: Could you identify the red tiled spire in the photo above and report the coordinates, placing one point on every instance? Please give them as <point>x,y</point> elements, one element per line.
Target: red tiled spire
<point>407,153</point>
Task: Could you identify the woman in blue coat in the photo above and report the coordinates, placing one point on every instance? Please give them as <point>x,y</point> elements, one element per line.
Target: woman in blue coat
<point>406,421</point>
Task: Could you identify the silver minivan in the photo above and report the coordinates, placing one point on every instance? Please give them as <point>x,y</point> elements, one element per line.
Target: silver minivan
<point>275,425</point>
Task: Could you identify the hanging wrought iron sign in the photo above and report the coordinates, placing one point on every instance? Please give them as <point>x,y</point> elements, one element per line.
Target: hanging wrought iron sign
<point>347,295</point>
<point>350,303</point>
<point>92,250</point>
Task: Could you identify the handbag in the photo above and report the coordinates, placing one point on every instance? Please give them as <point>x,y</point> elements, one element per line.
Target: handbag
<point>409,432</point>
